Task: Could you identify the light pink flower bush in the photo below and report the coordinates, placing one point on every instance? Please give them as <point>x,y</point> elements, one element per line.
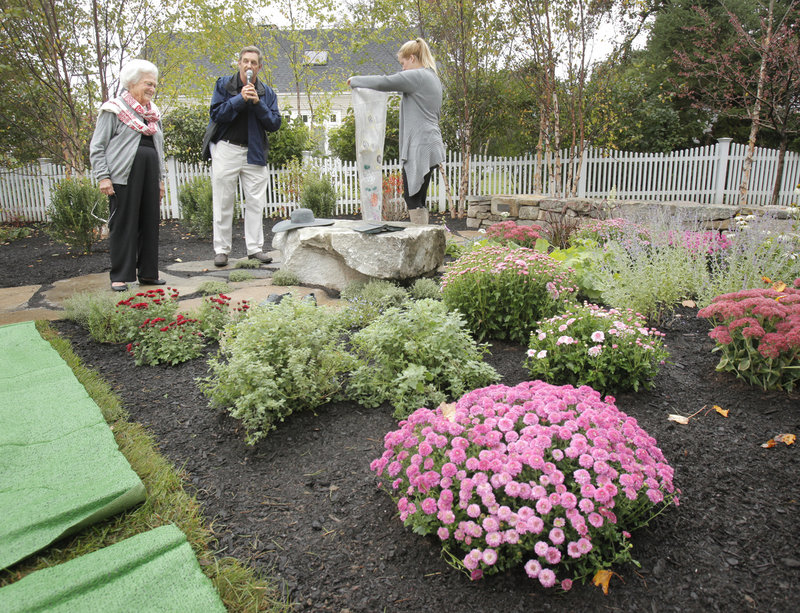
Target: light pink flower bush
<point>611,350</point>
<point>758,334</point>
<point>502,292</point>
<point>507,232</point>
<point>552,478</point>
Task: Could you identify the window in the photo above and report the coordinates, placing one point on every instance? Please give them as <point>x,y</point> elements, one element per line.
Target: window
<point>315,58</point>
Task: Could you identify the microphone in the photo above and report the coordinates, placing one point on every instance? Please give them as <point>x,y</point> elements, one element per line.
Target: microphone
<point>249,75</point>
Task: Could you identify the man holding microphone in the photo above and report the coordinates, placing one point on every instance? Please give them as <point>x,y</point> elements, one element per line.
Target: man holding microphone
<point>243,110</point>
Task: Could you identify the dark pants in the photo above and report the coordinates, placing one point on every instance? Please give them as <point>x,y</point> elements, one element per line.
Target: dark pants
<point>417,201</point>
<point>133,225</point>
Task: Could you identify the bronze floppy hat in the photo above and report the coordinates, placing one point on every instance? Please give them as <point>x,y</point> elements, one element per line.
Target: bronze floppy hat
<point>300,218</point>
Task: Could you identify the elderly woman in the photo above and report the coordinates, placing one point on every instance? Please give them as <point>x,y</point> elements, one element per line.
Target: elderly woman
<point>421,146</point>
<point>127,153</point>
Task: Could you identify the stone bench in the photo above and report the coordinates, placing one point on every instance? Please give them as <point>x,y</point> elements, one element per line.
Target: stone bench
<point>335,256</point>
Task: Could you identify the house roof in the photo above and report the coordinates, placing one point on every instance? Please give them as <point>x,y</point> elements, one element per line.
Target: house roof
<point>326,58</point>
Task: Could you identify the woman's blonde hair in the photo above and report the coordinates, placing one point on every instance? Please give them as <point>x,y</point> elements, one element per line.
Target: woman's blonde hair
<point>419,48</point>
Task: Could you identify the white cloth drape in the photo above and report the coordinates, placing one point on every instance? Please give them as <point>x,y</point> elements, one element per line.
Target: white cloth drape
<point>369,109</point>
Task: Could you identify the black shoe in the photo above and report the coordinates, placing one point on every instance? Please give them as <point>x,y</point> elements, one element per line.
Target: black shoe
<point>119,288</point>
<point>146,281</point>
<point>220,259</point>
<point>261,257</point>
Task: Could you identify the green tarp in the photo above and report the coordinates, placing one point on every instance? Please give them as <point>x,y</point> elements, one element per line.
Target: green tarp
<point>153,571</point>
<point>60,468</point>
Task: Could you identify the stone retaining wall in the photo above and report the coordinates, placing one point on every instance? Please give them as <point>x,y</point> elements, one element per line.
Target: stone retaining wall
<point>483,211</point>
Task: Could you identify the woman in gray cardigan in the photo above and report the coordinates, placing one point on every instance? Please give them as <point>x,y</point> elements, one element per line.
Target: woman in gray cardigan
<point>421,146</point>
<point>127,155</point>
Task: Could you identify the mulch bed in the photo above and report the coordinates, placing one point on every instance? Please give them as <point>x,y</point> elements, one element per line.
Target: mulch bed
<point>303,506</point>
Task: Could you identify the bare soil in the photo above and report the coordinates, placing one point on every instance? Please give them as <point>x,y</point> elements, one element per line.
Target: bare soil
<point>302,505</point>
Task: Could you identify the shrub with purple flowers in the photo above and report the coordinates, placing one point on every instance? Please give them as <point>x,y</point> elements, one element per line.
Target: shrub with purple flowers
<point>609,350</point>
<point>552,478</point>
<point>511,234</point>
<point>502,292</point>
<point>757,331</point>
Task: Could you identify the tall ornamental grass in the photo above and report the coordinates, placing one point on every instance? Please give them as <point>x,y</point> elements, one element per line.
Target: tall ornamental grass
<point>756,249</point>
<point>554,479</point>
<point>757,333</point>
<point>502,292</point>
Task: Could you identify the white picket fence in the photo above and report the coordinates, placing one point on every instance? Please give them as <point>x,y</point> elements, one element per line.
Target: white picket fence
<point>709,175</point>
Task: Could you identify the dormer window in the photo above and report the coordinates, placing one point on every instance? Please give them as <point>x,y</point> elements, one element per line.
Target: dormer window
<point>315,58</point>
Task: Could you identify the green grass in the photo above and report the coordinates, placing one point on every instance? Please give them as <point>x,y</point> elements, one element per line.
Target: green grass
<point>167,502</point>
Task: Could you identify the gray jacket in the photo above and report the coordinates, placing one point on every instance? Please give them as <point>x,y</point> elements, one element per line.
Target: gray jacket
<point>421,146</point>
<point>114,146</point>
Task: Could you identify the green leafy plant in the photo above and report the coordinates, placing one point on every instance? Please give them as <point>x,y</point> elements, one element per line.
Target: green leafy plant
<point>216,312</point>
<point>197,206</point>
<point>96,313</point>
<point>285,278</point>
<point>605,230</point>
<point>184,127</point>
<point>77,213</point>
<point>609,350</point>
<point>208,288</point>
<point>281,359</point>
<point>757,333</point>
<point>365,301</point>
<point>552,478</point>
<point>585,258</point>
<point>417,355</point>
<point>247,263</point>
<point>503,292</point>
<point>10,233</point>
<point>237,276</point>
<point>425,288</point>
<point>162,341</point>
<point>319,195</point>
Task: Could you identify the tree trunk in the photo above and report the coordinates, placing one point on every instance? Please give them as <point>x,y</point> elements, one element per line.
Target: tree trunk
<point>756,114</point>
<point>776,188</point>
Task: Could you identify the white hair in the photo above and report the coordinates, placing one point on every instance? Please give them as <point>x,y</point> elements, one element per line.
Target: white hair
<point>134,70</point>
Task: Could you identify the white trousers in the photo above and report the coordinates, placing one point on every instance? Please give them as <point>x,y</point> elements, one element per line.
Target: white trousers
<point>228,166</point>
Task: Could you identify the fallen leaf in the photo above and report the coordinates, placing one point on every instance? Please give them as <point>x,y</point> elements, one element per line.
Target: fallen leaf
<point>788,439</point>
<point>721,411</point>
<point>766,279</point>
<point>178,260</point>
<point>689,303</point>
<point>779,286</point>
<point>601,579</point>
<point>678,418</point>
